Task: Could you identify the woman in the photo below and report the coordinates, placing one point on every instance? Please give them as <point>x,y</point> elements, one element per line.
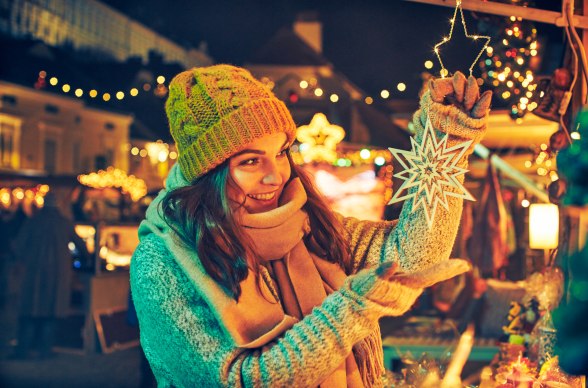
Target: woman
<point>245,277</point>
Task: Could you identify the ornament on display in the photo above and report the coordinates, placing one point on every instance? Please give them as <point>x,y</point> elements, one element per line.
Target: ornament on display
<point>444,72</point>
<point>553,95</point>
<point>558,140</point>
<point>430,173</point>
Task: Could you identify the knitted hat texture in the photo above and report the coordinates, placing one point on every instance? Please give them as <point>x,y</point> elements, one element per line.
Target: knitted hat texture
<point>215,111</point>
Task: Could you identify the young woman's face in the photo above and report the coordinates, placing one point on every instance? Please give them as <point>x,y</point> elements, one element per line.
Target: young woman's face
<point>259,173</point>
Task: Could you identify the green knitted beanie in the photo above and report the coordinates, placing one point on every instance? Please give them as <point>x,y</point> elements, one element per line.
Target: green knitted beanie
<point>215,111</point>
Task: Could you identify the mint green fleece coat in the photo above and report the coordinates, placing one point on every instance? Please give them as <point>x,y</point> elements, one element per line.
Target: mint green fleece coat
<point>186,345</point>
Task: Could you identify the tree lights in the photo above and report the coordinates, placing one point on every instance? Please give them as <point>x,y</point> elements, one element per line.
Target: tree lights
<point>507,66</point>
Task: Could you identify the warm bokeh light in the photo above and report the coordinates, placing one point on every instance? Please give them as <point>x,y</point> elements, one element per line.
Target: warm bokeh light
<point>385,94</point>
<point>368,100</point>
<point>93,93</point>
<point>318,92</point>
<point>106,96</point>
<point>53,81</point>
<point>543,226</point>
<point>66,88</point>
<point>79,92</point>
<point>303,84</point>
<point>401,87</point>
<point>160,79</point>
<point>120,95</point>
<point>334,98</point>
<point>428,64</point>
<point>134,92</point>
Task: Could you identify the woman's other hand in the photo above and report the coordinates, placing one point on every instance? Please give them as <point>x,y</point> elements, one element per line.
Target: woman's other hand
<point>424,278</point>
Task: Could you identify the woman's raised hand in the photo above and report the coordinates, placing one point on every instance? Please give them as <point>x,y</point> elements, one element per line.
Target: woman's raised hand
<point>462,93</point>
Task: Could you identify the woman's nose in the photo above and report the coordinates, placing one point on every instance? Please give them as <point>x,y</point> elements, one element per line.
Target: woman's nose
<point>272,175</point>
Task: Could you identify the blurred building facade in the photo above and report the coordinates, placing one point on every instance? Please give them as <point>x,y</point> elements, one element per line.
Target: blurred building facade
<point>91,26</point>
<point>61,107</point>
<point>50,134</point>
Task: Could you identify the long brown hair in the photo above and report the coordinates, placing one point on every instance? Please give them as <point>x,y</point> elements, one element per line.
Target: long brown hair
<point>200,214</point>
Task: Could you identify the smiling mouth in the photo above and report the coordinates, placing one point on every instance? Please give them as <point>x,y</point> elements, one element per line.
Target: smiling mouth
<point>263,197</point>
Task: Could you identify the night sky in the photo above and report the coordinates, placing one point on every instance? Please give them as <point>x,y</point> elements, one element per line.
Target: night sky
<point>375,43</point>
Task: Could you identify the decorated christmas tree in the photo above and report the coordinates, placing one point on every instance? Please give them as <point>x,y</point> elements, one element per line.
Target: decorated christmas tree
<point>508,65</point>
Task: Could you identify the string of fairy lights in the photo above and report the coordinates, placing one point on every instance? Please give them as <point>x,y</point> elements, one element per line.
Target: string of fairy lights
<point>46,80</point>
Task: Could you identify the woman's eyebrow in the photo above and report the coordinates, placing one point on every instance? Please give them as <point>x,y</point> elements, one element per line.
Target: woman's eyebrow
<point>249,151</point>
<point>258,152</point>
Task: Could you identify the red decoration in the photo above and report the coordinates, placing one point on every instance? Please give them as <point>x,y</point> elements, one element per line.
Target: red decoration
<point>558,140</point>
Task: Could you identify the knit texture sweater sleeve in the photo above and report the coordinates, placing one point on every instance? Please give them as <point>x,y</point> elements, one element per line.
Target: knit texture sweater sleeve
<point>186,346</point>
<point>409,240</point>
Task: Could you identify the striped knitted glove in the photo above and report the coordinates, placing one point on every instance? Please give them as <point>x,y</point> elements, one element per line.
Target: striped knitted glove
<point>455,108</point>
<point>388,287</point>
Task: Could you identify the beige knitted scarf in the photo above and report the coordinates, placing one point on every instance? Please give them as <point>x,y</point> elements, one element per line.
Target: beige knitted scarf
<point>301,279</point>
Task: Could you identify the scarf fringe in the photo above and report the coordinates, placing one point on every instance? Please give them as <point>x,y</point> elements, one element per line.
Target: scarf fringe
<point>370,359</point>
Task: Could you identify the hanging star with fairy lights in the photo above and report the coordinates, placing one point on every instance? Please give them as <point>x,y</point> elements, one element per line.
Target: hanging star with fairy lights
<point>446,39</point>
<point>430,173</point>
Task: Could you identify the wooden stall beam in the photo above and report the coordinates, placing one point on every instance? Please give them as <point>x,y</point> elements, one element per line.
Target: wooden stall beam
<point>527,13</point>
<point>517,176</point>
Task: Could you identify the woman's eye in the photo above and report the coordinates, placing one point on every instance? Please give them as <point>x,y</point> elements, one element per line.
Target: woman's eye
<point>249,162</point>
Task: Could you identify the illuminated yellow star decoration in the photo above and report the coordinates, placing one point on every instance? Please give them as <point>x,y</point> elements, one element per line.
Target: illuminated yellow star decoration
<point>319,139</point>
<point>430,173</point>
<point>446,39</point>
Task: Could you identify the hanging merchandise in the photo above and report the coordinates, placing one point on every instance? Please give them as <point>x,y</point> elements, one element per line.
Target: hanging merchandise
<point>553,95</point>
<point>488,245</point>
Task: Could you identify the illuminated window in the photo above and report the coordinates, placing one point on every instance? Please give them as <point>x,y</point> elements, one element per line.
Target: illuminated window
<point>9,142</point>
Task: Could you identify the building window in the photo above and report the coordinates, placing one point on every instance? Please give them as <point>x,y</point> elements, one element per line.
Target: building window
<point>52,109</point>
<point>9,100</point>
<point>50,156</point>
<point>77,160</point>
<point>9,147</point>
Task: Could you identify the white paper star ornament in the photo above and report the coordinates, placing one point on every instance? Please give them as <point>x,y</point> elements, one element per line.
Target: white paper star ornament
<point>430,173</point>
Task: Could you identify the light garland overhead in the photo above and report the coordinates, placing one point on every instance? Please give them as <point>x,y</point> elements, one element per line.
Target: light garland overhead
<point>43,79</point>
<point>446,39</point>
<point>115,178</point>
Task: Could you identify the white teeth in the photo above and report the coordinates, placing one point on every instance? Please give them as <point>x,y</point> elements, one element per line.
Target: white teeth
<point>263,197</point>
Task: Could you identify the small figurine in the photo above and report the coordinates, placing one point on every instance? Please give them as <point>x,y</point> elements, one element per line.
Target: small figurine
<point>515,318</point>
